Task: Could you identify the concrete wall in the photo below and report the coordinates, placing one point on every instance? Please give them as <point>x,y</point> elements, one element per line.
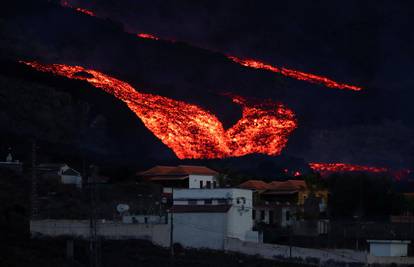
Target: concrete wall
<point>314,256</point>
<point>240,219</point>
<point>389,260</point>
<point>156,233</point>
<point>200,230</point>
<point>146,219</point>
<point>71,179</point>
<point>194,180</point>
<point>388,248</point>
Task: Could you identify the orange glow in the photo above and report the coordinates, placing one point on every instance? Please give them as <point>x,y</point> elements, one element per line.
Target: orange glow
<point>147,36</point>
<point>298,75</point>
<point>328,168</point>
<point>187,129</point>
<point>82,10</point>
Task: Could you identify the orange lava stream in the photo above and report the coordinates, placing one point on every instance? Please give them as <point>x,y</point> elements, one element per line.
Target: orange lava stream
<point>82,10</point>
<point>298,75</point>
<point>327,168</point>
<point>147,36</point>
<point>187,129</point>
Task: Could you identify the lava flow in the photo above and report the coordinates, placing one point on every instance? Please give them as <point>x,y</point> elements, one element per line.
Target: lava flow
<point>187,129</point>
<point>298,75</point>
<point>328,168</point>
<point>147,36</point>
<point>82,10</point>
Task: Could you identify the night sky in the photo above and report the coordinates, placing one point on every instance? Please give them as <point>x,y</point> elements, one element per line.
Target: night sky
<point>363,43</point>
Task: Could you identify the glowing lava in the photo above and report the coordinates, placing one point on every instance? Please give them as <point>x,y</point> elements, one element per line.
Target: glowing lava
<point>298,75</point>
<point>147,36</point>
<point>328,168</point>
<point>187,129</point>
<point>82,10</point>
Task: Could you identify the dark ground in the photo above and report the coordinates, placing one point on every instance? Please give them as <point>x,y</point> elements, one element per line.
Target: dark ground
<point>18,249</point>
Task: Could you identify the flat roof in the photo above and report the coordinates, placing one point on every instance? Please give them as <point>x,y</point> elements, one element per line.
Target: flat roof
<point>389,241</point>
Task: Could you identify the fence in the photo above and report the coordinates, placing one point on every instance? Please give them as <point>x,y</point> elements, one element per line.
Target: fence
<point>156,233</point>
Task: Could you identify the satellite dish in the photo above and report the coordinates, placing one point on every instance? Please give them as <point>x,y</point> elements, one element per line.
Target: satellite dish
<point>121,208</point>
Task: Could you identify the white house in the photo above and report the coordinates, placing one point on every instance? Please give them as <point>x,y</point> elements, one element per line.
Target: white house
<point>205,218</point>
<point>70,176</point>
<point>66,174</point>
<point>182,176</point>
<point>388,248</point>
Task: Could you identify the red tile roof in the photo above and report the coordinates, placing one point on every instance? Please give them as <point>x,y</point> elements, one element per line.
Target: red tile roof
<point>254,184</point>
<point>178,170</point>
<point>199,208</point>
<point>167,178</point>
<point>289,185</point>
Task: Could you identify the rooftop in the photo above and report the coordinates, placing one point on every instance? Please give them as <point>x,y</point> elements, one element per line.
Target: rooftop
<point>288,186</point>
<point>200,208</point>
<point>180,170</point>
<point>254,184</point>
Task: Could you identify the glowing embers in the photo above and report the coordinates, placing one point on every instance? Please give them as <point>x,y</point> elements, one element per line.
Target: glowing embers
<point>147,36</point>
<point>298,75</point>
<point>82,10</point>
<point>328,168</point>
<point>187,129</point>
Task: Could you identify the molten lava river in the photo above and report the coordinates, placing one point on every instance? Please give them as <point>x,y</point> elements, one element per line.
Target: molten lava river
<point>187,129</point>
<point>328,168</point>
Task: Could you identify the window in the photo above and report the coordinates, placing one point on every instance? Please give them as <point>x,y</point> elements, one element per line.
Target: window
<point>208,184</point>
<point>287,215</point>
<point>201,184</point>
<point>214,184</point>
<point>262,215</point>
<point>271,216</point>
<point>208,202</point>
<point>254,214</point>
<point>192,202</point>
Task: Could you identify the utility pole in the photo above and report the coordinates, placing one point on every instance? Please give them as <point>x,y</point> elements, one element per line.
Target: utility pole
<point>93,227</point>
<point>172,229</point>
<point>172,224</point>
<point>34,182</point>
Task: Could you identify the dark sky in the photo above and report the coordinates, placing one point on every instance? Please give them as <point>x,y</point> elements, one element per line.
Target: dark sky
<point>366,43</point>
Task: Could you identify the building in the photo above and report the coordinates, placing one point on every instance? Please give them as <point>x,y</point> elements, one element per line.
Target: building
<point>280,202</point>
<point>388,248</point>
<point>10,164</point>
<point>182,176</point>
<point>205,218</point>
<point>63,172</point>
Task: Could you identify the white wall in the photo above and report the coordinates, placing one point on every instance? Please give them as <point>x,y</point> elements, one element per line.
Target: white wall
<point>271,251</point>
<point>150,219</point>
<point>72,179</point>
<point>240,220</point>
<point>239,217</point>
<point>200,230</point>
<point>156,233</point>
<point>399,250</point>
<point>194,180</point>
<point>391,248</point>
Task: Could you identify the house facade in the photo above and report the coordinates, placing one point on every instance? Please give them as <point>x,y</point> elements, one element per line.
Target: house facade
<point>279,203</point>
<point>205,218</point>
<point>182,176</point>
<point>63,172</point>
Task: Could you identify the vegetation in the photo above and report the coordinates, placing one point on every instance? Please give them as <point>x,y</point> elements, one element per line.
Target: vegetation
<point>364,196</point>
